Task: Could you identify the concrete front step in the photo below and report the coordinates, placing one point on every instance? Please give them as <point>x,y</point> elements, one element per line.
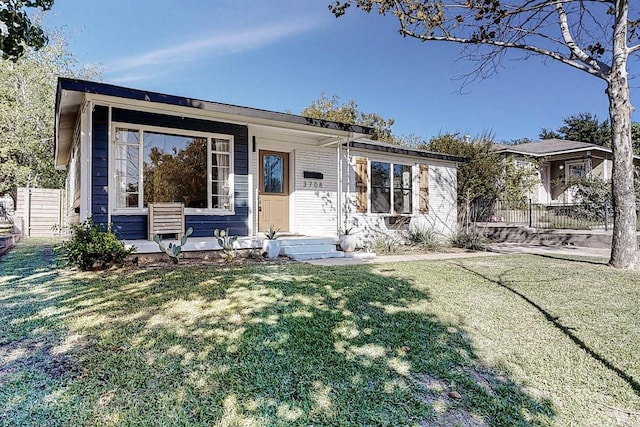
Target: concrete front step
<point>302,249</point>
<point>317,255</point>
<point>306,241</point>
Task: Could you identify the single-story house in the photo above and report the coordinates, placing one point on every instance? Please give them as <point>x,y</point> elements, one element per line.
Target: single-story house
<point>558,161</point>
<point>238,168</point>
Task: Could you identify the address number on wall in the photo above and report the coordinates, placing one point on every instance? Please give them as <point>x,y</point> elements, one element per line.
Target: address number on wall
<point>311,184</point>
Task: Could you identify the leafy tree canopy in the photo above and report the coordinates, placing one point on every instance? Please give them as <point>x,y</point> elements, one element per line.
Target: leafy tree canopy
<point>486,175</point>
<point>27,97</point>
<point>18,31</point>
<point>326,108</point>
<point>585,127</point>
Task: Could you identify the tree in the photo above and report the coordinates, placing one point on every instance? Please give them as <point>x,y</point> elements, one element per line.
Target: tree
<point>19,30</point>
<point>330,109</point>
<point>587,128</point>
<point>594,36</point>
<point>485,176</point>
<point>27,96</point>
<point>582,127</point>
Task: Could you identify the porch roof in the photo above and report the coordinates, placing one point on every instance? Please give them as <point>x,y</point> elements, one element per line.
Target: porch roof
<point>549,147</point>
<point>398,149</point>
<point>71,94</point>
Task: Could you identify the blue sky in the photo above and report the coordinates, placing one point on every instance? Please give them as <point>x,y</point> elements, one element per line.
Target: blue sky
<point>282,54</point>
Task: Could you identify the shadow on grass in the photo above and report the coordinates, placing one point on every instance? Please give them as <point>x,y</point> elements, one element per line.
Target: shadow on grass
<point>571,258</point>
<point>288,344</point>
<point>632,382</point>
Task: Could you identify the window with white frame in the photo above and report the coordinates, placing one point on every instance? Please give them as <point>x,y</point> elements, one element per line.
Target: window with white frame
<point>169,165</point>
<point>391,188</point>
<point>576,170</point>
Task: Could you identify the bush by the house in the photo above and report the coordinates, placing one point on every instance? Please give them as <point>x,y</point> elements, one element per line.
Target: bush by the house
<point>469,239</point>
<point>423,238</point>
<point>91,246</point>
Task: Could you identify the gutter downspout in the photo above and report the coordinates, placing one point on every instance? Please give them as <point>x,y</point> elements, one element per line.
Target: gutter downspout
<point>339,189</point>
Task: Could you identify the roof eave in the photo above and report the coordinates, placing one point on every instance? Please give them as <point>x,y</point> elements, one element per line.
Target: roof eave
<point>407,151</point>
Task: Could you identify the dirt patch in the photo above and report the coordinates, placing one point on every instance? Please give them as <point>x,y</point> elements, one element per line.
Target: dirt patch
<point>39,355</point>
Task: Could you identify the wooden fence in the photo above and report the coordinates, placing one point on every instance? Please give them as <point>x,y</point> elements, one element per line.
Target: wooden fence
<point>39,212</point>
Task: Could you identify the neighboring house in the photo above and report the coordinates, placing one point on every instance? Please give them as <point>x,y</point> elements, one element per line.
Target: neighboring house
<point>239,168</point>
<point>559,161</point>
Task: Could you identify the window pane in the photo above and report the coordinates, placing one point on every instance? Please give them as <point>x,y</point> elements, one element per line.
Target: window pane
<point>273,173</point>
<point>132,200</point>
<point>380,174</point>
<point>127,136</point>
<point>175,169</point>
<point>221,202</point>
<point>380,200</point>
<point>219,173</point>
<point>402,189</point>
<point>380,187</point>
<point>576,171</point>
<point>220,145</point>
<point>127,168</point>
<point>220,159</point>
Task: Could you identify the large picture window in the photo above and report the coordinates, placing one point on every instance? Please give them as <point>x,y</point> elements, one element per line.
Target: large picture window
<point>171,166</point>
<point>391,186</point>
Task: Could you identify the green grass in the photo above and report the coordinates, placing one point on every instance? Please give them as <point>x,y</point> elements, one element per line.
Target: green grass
<point>523,340</point>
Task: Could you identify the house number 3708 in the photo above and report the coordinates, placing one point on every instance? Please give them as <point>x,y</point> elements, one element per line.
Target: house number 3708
<point>311,184</point>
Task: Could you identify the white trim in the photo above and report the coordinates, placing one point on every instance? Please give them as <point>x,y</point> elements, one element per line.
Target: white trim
<point>251,185</point>
<point>109,162</point>
<point>86,173</point>
<point>391,189</point>
<point>209,115</point>
<point>179,132</point>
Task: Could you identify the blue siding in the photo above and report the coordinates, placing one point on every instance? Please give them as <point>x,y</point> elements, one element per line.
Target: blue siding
<point>100,165</point>
<point>130,227</point>
<point>204,225</point>
<point>135,226</point>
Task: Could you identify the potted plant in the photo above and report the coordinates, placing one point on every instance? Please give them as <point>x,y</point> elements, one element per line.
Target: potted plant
<point>270,246</point>
<point>347,239</point>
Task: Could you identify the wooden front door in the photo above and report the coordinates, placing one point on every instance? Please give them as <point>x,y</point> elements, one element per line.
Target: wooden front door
<point>273,191</point>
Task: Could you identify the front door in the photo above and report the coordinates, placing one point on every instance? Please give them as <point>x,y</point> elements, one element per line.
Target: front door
<point>273,192</point>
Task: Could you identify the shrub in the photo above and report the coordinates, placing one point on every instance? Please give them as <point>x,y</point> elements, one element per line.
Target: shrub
<point>423,238</point>
<point>592,195</point>
<point>91,246</point>
<point>469,239</point>
<point>384,244</point>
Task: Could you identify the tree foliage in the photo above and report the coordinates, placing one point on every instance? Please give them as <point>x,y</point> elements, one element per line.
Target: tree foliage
<point>326,108</point>
<point>486,175</point>
<point>27,98</point>
<point>594,36</point>
<point>583,127</point>
<point>586,127</point>
<point>19,30</point>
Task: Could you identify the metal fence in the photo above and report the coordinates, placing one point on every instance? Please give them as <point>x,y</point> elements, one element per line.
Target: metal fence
<point>551,216</point>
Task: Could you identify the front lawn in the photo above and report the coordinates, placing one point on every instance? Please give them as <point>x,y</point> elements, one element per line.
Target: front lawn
<point>510,340</point>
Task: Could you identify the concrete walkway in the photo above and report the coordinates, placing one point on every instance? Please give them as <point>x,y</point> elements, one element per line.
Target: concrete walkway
<point>495,249</point>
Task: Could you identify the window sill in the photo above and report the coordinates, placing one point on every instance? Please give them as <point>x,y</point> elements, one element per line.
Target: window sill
<point>187,211</point>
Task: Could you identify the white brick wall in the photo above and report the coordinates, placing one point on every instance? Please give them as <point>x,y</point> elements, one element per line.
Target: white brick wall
<point>315,200</point>
<point>442,216</point>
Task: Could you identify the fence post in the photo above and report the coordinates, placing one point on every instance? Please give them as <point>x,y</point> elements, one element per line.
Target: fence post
<point>530,213</point>
<point>606,215</point>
